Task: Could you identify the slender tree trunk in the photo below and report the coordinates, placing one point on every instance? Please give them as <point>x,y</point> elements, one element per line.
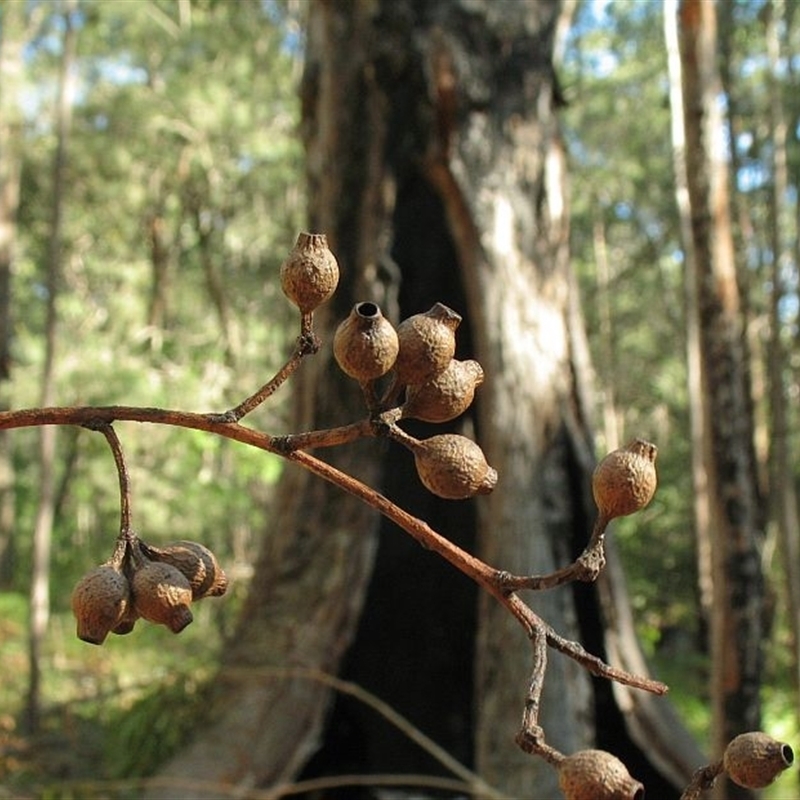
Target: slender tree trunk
<point>12,39</point>
<point>611,420</point>
<point>783,495</point>
<point>729,456</point>
<point>43,525</point>
<point>700,495</point>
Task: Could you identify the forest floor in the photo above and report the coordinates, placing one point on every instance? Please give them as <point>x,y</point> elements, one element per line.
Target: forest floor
<point>100,706</point>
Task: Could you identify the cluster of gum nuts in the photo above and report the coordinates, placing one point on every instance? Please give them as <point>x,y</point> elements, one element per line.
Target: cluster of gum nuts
<point>157,584</point>
<point>417,361</point>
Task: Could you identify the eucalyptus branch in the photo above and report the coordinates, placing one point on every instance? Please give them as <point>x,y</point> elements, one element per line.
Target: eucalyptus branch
<point>494,581</point>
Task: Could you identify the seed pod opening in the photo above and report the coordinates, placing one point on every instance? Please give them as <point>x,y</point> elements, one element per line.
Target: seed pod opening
<point>127,622</point>
<point>427,343</point>
<point>446,395</point>
<point>753,760</point>
<point>365,344</point>
<point>99,601</point>
<point>196,562</point>
<point>625,480</point>
<point>597,775</point>
<point>453,467</point>
<point>162,594</point>
<point>310,273</point>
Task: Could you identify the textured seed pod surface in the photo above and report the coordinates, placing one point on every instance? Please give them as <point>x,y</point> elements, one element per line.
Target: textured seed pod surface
<point>99,601</point>
<point>597,775</point>
<point>197,563</point>
<point>310,273</point>
<point>427,343</point>
<point>446,395</point>
<point>162,594</point>
<point>454,467</point>
<point>625,480</point>
<point>365,344</point>
<point>753,760</point>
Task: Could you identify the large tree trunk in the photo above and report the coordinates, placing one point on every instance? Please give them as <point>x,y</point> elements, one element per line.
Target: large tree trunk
<point>436,170</point>
<point>729,456</point>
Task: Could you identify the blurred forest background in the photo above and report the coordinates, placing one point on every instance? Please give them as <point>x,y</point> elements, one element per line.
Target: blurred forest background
<point>150,152</point>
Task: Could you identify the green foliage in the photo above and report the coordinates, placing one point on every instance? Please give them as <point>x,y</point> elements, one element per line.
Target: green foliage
<point>104,703</point>
<point>145,735</point>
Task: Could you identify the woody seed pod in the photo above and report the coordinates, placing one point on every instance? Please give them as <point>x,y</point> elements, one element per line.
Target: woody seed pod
<point>597,775</point>
<point>453,467</point>
<point>99,601</point>
<point>445,396</point>
<point>162,594</point>
<point>310,273</point>
<point>427,343</point>
<point>196,562</point>
<point>753,760</point>
<point>625,480</point>
<point>365,344</point>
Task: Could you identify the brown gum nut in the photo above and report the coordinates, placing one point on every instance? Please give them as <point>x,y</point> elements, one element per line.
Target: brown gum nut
<point>365,344</point>
<point>597,775</point>
<point>99,601</point>
<point>453,467</point>
<point>753,760</point>
<point>310,273</point>
<point>446,395</point>
<point>427,343</point>
<point>162,594</point>
<point>625,480</point>
<point>197,563</point>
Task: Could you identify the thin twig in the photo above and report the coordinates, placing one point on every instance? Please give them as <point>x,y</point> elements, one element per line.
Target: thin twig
<point>596,666</point>
<point>328,437</point>
<point>702,780</point>
<point>307,344</point>
<point>470,781</point>
<point>587,567</point>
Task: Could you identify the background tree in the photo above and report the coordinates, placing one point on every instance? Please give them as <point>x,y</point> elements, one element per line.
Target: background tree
<point>12,38</point>
<point>729,456</point>
<point>43,526</point>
